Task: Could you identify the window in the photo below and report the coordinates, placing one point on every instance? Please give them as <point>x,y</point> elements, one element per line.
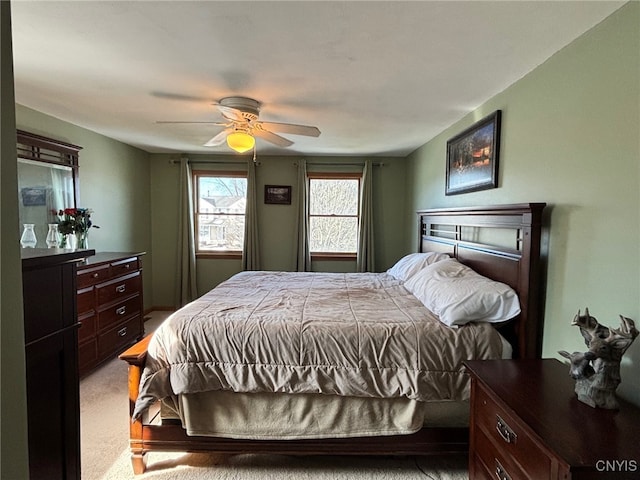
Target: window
<point>333,213</point>
<point>220,203</point>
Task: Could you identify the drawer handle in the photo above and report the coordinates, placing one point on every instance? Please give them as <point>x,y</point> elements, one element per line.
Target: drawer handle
<point>121,310</point>
<point>127,266</point>
<point>121,288</point>
<point>122,332</point>
<point>501,473</point>
<point>505,432</point>
<point>95,275</point>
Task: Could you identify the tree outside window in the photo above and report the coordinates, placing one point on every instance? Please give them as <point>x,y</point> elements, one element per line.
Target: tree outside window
<point>220,205</point>
<point>333,213</point>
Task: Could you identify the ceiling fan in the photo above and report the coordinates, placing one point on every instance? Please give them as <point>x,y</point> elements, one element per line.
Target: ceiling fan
<point>242,126</point>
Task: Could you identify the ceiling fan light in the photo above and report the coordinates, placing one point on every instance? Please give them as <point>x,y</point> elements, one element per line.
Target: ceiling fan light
<point>240,141</point>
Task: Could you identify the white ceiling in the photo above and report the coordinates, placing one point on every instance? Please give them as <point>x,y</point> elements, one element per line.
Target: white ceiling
<point>377,78</point>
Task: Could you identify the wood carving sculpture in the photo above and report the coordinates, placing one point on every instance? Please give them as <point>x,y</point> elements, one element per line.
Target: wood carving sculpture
<point>597,371</point>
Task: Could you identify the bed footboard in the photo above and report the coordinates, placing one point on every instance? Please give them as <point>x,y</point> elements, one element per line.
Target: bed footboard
<point>136,357</point>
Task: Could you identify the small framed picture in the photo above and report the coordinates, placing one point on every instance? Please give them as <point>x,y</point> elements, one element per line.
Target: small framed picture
<point>34,196</point>
<point>277,194</point>
<point>472,157</point>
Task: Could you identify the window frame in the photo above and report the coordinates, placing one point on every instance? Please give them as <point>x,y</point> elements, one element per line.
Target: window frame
<point>334,176</point>
<point>195,177</point>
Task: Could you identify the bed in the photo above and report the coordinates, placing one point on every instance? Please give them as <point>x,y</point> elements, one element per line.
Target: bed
<point>389,394</point>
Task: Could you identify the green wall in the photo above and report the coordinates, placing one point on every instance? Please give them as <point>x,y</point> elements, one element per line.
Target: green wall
<point>13,411</point>
<point>114,182</point>
<point>570,138</point>
<point>276,222</point>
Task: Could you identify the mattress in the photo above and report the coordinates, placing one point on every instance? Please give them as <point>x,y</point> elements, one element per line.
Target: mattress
<point>349,335</point>
<point>281,416</point>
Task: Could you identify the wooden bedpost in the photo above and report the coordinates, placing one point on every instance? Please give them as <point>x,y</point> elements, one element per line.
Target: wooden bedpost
<point>136,357</point>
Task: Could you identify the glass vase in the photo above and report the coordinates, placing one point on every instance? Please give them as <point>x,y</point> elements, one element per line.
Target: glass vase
<point>82,240</point>
<point>68,241</point>
<point>52,236</point>
<point>28,238</point>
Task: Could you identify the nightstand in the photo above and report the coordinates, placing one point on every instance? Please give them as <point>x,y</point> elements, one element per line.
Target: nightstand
<point>527,423</point>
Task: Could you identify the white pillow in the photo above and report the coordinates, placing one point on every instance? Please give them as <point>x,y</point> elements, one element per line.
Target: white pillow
<point>458,295</point>
<point>410,264</point>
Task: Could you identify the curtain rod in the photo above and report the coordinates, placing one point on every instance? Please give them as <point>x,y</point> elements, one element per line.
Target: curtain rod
<point>340,164</point>
<point>315,164</point>
<point>219,162</point>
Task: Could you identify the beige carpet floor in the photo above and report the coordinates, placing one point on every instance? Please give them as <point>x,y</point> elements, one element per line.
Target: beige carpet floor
<point>193,466</point>
<point>105,455</point>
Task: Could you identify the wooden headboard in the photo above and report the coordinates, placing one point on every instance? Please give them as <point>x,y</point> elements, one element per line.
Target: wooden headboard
<point>501,242</point>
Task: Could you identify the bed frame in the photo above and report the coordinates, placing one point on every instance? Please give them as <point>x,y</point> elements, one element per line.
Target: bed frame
<point>460,232</point>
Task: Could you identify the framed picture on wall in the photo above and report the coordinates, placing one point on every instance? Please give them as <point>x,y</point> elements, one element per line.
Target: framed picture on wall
<point>472,157</point>
<point>277,194</point>
<point>34,196</point>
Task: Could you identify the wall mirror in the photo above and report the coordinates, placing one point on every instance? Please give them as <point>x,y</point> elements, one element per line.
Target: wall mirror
<point>47,180</point>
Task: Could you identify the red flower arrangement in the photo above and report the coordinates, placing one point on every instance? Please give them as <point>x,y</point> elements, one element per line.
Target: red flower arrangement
<point>75,220</point>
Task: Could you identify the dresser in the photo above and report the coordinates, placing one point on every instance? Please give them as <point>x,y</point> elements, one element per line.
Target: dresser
<point>527,423</point>
<point>50,329</point>
<point>110,306</point>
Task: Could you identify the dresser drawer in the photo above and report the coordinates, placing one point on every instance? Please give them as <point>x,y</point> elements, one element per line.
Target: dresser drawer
<point>118,289</point>
<point>118,312</point>
<point>92,276</point>
<point>492,460</point>
<point>500,436</point>
<point>122,267</point>
<point>85,300</point>
<point>122,335</point>
<point>87,328</point>
<point>478,470</point>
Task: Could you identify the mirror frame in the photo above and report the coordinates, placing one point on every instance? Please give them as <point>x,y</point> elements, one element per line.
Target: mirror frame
<point>47,150</point>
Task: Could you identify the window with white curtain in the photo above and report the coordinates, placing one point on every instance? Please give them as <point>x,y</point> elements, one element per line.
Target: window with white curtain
<point>334,204</point>
<point>220,206</point>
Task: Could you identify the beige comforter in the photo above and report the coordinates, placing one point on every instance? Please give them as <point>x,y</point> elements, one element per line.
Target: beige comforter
<point>353,334</point>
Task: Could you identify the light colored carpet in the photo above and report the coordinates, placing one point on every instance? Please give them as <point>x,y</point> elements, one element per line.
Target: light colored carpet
<point>192,466</point>
<point>105,453</point>
<point>104,413</point>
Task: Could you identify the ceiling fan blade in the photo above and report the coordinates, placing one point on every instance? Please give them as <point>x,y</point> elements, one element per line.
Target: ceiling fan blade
<point>218,139</point>
<point>179,96</point>
<point>186,121</point>
<point>272,138</point>
<point>291,128</point>
<point>231,113</point>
